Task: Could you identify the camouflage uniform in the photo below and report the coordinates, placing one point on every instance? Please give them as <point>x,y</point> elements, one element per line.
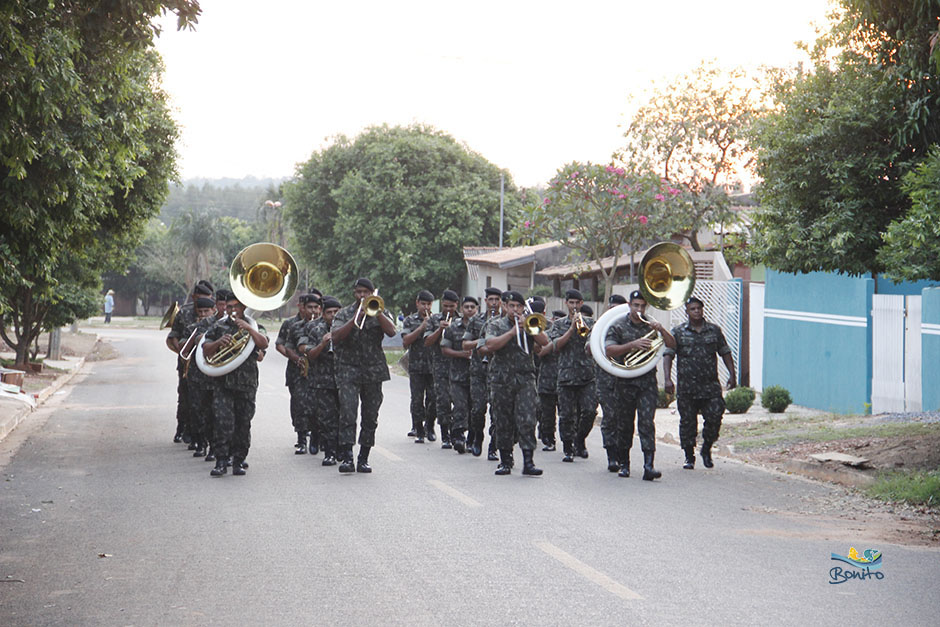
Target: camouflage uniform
<point>233,403</point>
<point>292,375</point>
<point>184,320</point>
<point>479,391</point>
<point>548,398</point>
<point>322,382</point>
<point>305,406</point>
<point>633,397</point>
<point>512,382</point>
<point>440,368</point>
<point>459,373</point>
<point>360,370</point>
<point>577,395</point>
<point>200,392</point>
<point>606,395</point>
<point>420,379</point>
<point>698,389</point>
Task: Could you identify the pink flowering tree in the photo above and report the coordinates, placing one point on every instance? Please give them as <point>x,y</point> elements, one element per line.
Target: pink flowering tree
<point>599,211</point>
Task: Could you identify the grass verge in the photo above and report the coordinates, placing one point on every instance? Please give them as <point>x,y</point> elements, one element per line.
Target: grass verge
<point>914,487</point>
<point>819,429</point>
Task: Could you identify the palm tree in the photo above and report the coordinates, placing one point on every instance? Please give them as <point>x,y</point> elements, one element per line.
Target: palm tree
<point>196,233</point>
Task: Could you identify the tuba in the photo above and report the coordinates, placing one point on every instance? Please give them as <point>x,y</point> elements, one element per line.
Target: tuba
<point>667,278</point>
<point>264,277</point>
<point>170,316</point>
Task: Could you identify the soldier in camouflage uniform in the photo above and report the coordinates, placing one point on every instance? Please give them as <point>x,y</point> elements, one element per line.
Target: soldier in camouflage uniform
<point>697,343</point>
<point>184,319</point>
<point>577,394</point>
<point>440,367</point>
<point>360,370</point>
<point>636,397</point>
<point>200,385</point>
<point>459,359</point>
<point>548,392</point>
<point>307,423</point>
<point>420,379</point>
<point>479,362</point>
<point>317,346</point>
<point>605,395</point>
<point>233,402</point>
<point>512,380</point>
<point>292,373</point>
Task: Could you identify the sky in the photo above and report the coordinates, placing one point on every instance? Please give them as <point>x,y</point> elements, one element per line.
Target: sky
<point>259,87</point>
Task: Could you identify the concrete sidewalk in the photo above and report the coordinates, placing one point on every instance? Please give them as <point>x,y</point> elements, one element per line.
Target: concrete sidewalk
<point>13,412</point>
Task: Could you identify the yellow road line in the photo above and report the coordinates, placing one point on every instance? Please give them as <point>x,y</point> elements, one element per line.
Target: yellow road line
<point>589,573</point>
<point>455,493</point>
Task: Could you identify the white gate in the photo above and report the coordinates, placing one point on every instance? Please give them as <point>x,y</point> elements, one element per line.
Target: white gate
<point>756,336</point>
<point>896,354</point>
<point>723,301</point>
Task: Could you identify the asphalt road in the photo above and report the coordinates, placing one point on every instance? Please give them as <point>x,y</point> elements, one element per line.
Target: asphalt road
<point>103,521</point>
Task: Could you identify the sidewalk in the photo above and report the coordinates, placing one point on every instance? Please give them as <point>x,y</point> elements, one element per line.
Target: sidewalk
<point>13,411</point>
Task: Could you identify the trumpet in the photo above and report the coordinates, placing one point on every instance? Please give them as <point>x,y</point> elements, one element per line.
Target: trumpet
<point>372,306</point>
<point>580,326</point>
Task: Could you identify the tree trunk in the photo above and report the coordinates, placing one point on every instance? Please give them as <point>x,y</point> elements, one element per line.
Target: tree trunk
<point>693,239</point>
<point>55,344</point>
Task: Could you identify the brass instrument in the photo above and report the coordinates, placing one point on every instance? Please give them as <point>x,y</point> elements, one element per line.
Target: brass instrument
<point>372,306</point>
<point>535,323</point>
<point>667,278</point>
<point>170,316</point>
<point>580,326</point>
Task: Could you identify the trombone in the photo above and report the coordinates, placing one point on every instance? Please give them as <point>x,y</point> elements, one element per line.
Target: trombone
<point>372,306</point>
<point>533,323</point>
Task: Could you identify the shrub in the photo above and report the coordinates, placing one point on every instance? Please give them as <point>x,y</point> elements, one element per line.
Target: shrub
<point>739,400</point>
<point>664,399</point>
<point>776,399</point>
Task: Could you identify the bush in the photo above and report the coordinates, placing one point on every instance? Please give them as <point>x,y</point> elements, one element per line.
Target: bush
<point>739,400</point>
<point>776,399</point>
<point>664,399</point>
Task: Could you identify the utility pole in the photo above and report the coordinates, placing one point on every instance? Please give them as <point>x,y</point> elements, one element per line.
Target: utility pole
<point>502,189</point>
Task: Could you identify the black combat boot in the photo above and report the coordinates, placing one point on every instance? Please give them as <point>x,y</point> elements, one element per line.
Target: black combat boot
<point>613,464</point>
<point>505,465</point>
<point>707,454</point>
<point>649,473</point>
<point>221,467</point>
<point>460,445</point>
<point>413,433</point>
<point>549,445</point>
<point>476,445</point>
<point>347,465</point>
<point>178,436</point>
<point>362,464</point>
<point>582,449</point>
<point>301,447</point>
<point>210,456</point>
<point>329,457</point>
<point>446,442</point>
<point>239,466</point>
<point>528,466</point>
<point>429,432</point>
<point>624,464</point>
<point>314,446</point>
<point>689,458</point>
<point>569,452</point>
<point>201,446</point>
<point>491,452</point>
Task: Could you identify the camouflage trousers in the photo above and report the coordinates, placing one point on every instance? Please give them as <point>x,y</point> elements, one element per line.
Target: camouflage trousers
<point>442,403</point>
<point>422,401</point>
<point>513,410</point>
<point>298,408</point>
<point>577,411</point>
<point>350,393</point>
<point>635,401</point>
<point>200,411</point>
<point>548,403</point>
<point>711,409</point>
<point>460,400</point>
<point>233,411</point>
<point>182,405</point>
<point>608,403</point>
<point>326,402</point>
<point>479,399</point>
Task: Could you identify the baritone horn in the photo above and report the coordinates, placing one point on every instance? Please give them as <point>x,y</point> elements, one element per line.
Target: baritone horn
<point>667,279</point>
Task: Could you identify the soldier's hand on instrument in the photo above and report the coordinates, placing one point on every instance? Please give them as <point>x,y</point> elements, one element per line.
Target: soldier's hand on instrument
<point>327,338</point>
<point>261,355</point>
<point>226,339</point>
<point>643,343</point>
<point>241,323</point>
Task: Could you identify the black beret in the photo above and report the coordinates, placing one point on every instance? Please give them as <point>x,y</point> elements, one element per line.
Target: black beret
<point>493,291</point>
<point>471,299</point>
<point>573,295</point>
<point>537,306</point>
<point>515,296</point>
<point>330,303</point>
<point>693,299</point>
<point>366,283</point>
<point>450,295</point>
<point>309,298</point>
<point>587,311</point>
<point>637,294</point>
<point>204,303</point>
<point>538,298</point>
<point>317,292</point>
<point>504,296</point>
<point>425,296</point>
<point>617,299</point>
<point>203,287</point>
<point>558,313</point>
<point>221,294</point>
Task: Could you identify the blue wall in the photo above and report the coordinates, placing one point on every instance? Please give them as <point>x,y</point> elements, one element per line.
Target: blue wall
<point>817,339</point>
<point>930,350</point>
<point>887,286</point>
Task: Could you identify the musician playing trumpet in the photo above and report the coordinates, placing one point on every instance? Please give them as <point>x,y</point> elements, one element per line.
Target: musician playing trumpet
<point>636,397</point>
<point>440,366</point>
<point>420,377</point>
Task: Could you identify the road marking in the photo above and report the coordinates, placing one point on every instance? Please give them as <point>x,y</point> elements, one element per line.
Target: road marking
<point>454,492</point>
<point>589,573</point>
<point>387,454</point>
<point>113,407</point>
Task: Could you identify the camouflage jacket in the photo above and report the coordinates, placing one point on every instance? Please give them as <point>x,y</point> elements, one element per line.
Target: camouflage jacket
<point>360,356</point>
<point>419,355</point>
<point>510,362</point>
<point>623,331</point>
<point>245,377</point>
<point>283,339</point>
<point>696,363</point>
<point>322,370</point>
<point>575,366</point>
<point>459,370</point>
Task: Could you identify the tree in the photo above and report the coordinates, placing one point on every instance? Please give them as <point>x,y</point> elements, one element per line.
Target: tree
<point>692,132</point>
<point>844,133</point>
<point>196,234</point>
<point>86,145</point>
<point>396,205</point>
<point>600,211</point>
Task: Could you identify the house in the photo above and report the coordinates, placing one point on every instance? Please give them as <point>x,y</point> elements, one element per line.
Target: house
<point>508,268</point>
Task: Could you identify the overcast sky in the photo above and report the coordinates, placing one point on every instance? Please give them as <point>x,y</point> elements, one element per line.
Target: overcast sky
<point>530,86</point>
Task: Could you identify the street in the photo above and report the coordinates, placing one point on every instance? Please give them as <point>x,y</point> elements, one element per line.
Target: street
<point>106,522</point>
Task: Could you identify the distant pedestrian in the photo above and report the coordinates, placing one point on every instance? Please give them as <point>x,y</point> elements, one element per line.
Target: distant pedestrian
<point>108,306</point>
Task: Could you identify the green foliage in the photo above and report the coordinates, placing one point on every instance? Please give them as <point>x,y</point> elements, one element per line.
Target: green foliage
<point>600,211</point>
<point>540,290</point>
<point>833,151</point>
<point>775,399</point>
<point>396,205</point>
<point>86,146</point>
<point>739,400</point>
<point>914,487</point>
<point>238,198</point>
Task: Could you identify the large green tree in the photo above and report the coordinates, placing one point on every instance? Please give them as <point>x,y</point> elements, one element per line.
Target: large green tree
<point>843,134</point>
<point>396,205</point>
<point>86,145</point>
